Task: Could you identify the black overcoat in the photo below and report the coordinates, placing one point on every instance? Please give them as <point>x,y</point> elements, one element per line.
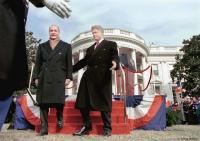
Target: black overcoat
<point>95,90</point>
<point>52,68</point>
<point>13,60</point>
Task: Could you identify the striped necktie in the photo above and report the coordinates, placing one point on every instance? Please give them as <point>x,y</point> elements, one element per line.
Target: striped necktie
<point>97,45</point>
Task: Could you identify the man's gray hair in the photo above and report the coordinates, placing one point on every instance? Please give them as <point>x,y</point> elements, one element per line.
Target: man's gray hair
<point>98,27</point>
<point>55,26</point>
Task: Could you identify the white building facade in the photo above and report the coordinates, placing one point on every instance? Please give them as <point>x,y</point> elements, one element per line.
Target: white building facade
<point>161,58</point>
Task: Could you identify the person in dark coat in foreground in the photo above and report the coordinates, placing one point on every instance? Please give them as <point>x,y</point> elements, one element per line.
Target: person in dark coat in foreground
<point>95,90</point>
<point>13,59</point>
<point>52,72</point>
<point>13,63</point>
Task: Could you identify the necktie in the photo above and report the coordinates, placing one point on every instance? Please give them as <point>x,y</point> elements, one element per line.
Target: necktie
<point>97,44</point>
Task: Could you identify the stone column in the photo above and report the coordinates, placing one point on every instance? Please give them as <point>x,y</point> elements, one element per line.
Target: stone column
<point>165,78</point>
<point>136,85</point>
<point>114,85</point>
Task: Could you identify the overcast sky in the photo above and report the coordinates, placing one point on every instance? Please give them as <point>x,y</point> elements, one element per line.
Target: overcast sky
<point>163,22</point>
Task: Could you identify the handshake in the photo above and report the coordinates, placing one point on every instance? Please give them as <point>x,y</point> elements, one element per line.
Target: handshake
<point>59,7</point>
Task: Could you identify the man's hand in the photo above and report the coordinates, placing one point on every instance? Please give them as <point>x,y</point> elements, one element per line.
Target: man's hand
<point>67,81</point>
<point>36,82</point>
<point>59,7</point>
<point>114,65</point>
<point>70,85</point>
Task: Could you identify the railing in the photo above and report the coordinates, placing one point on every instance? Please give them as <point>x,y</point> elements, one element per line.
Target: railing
<point>124,86</point>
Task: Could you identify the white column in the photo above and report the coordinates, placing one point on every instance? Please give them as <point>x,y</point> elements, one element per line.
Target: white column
<point>133,56</point>
<point>160,72</point>
<point>114,87</point>
<point>165,77</point>
<point>72,60</point>
<point>80,72</point>
<point>145,74</point>
<point>164,72</point>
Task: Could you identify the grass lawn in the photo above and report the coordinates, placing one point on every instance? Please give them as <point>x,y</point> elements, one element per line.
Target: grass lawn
<point>174,133</point>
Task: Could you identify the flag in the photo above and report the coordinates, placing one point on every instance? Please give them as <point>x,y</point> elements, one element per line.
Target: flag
<point>143,112</point>
<point>149,114</point>
<point>31,112</point>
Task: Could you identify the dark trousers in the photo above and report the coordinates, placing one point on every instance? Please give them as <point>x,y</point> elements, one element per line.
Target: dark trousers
<point>106,118</point>
<point>44,110</point>
<point>5,100</point>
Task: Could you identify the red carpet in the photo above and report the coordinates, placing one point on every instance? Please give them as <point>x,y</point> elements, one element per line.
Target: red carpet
<point>73,120</point>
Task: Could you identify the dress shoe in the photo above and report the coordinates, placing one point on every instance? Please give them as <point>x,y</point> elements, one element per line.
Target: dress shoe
<point>83,131</point>
<point>60,124</point>
<point>42,134</point>
<point>106,133</point>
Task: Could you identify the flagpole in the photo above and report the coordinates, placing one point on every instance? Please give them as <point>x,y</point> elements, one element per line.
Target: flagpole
<point>29,86</point>
<point>181,102</point>
<point>30,79</point>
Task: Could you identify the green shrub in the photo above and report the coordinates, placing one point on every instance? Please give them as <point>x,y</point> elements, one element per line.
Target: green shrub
<point>173,116</point>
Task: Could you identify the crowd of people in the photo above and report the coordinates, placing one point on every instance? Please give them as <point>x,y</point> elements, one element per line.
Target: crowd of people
<point>191,108</point>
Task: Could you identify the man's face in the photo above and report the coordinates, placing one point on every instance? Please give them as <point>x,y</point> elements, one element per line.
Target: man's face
<point>97,34</point>
<point>54,32</point>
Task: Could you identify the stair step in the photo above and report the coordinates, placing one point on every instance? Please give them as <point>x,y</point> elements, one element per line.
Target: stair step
<point>114,104</point>
<point>97,128</point>
<point>71,110</point>
<point>78,119</point>
<point>73,120</point>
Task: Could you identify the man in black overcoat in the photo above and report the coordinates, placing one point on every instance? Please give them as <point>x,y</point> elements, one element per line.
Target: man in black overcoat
<point>95,90</point>
<point>52,72</point>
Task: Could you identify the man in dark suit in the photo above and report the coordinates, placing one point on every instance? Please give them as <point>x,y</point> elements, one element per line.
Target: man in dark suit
<point>53,71</point>
<point>13,59</point>
<point>95,90</point>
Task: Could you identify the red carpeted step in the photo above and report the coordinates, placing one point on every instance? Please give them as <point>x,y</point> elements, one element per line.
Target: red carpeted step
<point>71,110</point>
<point>73,120</point>
<point>77,118</point>
<point>97,128</point>
<point>114,103</point>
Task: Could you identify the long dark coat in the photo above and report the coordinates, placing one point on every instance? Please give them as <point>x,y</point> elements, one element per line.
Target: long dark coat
<point>13,60</point>
<point>52,68</point>
<point>95,90</point>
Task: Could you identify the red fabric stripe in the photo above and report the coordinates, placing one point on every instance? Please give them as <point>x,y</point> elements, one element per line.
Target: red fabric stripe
<point>136,123</point>
<point>29,115</point>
